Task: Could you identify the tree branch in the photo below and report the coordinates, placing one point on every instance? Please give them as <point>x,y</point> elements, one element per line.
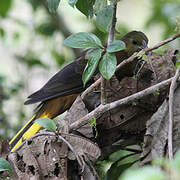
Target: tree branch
<point>90,88</point>
<point>103,108</point>
<point>171,111</point>
<point>172,38</point>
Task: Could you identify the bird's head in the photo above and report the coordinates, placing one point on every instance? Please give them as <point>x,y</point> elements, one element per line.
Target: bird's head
<point>135,41</point>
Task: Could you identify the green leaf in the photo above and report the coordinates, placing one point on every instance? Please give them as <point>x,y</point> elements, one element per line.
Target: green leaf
<point>122,160</point>
<point>107,65</point>
<point>83,40</point>
<point>104,18</point>
<point>125,156</point>
<point>5,6</point>
<point>53,5</point>
<point>99,5</point>
<point>116,45</point>
<point>92,122</point>
<point>5,166</point>
<point>47,124</point>
<point>146,173</point>
<point>86,7</point>
<point>93,59</point>
<point>115,170</point>
<point>101,167</point>
<point>72,2</point>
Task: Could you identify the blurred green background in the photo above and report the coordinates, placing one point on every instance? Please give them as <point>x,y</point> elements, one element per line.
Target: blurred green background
<point>31,45</point>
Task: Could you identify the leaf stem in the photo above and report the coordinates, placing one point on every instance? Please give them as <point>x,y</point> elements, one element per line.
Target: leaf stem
<point>110,40</point>
<point>171,113</point>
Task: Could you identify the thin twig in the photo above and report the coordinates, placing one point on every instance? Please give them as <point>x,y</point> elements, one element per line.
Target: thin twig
<point>171,117</point>
<point>91,166</point>
<point>138,73</point>
<point>89,89</point>
<point>110,40</point>
<point>103,90</point>
<point>104,108</point>
<point>155,75</point>
<point>173,37</point>
<point>78,157</point>
<point>131,58</point>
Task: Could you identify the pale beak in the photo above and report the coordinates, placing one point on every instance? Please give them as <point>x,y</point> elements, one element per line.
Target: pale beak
<point>144,45</point>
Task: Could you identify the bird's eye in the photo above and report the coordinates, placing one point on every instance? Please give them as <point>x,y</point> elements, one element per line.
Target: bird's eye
<point>134,42</point>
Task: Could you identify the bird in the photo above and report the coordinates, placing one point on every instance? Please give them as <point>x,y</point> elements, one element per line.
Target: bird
<point>59,93</point>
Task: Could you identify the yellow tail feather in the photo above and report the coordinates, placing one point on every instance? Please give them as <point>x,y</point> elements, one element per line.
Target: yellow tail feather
<point>27,131</point>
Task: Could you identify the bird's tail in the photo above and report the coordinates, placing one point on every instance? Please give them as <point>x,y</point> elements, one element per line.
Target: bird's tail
<point>49,109</point>
<point>28,130</point>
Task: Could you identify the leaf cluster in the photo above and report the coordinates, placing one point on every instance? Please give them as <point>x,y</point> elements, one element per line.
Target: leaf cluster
<point>122,165</point>
<point>97,55</point>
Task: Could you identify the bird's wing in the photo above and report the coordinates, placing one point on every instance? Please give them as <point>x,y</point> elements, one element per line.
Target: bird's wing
<point>66,81</point>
